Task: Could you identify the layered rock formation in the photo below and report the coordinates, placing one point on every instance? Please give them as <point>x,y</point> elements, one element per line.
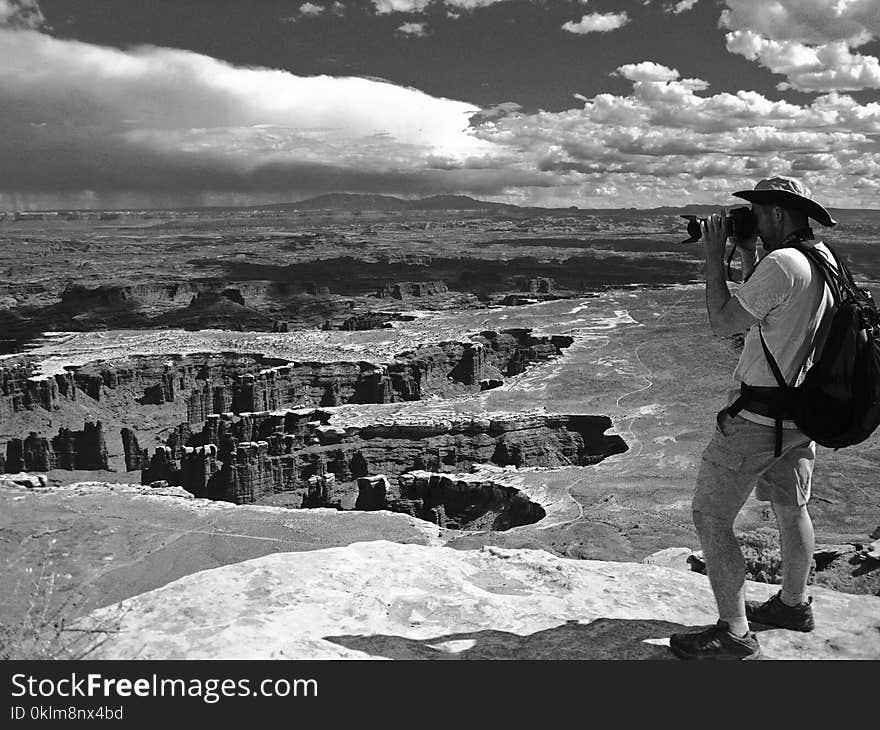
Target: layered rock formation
<point>541,285</point>
<point>84,449</point>
<point>212,383</point>
<point>83,297</point>
<point>22,389</point>
<point>406,289</point>
<point>452,501</point>
<point>365,321</point>
<point>245,458</point>
<point>135,457</point>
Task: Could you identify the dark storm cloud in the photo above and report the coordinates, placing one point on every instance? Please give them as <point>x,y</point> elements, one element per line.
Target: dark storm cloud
<point>161,119</point>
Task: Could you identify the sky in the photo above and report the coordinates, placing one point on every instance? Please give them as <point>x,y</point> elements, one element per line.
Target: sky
<point>587,103</point>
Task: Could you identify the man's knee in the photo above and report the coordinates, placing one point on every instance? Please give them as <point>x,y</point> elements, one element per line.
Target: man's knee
<point>708,523</point>
<point>790,514</point>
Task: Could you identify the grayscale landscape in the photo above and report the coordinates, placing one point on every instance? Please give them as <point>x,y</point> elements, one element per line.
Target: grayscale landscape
<point>368,329</point>
<point>190,389</point>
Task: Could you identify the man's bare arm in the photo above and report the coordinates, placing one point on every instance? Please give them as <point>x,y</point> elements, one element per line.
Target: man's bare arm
<point>726,315</point>
<point>749,259</point>
<point>748,254</point>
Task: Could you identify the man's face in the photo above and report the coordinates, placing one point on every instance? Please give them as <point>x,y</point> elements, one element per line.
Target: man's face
<point>768,225</point>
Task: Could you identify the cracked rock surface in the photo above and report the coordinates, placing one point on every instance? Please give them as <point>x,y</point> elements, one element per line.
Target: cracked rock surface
<point>387,600</point>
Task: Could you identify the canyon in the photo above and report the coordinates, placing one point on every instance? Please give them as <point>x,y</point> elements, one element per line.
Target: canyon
<point>302,380</point>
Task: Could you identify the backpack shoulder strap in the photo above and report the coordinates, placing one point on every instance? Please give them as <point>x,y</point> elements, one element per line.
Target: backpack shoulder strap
<point>771,361</point>
<point>777,373</point>
<point>839,280</point>
<point>842,268</point>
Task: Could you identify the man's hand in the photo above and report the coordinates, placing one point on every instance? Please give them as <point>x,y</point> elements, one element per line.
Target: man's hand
<point>748,254</point>
<point>714,230</point>
<point>746,245</point>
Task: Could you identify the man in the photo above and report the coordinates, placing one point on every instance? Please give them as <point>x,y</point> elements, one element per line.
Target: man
<point>783,300</point>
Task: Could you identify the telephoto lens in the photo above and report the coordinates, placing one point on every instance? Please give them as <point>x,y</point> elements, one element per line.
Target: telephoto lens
<point>741,223</point>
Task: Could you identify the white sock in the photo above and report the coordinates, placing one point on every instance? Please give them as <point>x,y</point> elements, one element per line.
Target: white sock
<point>737,625</point>
<point>792,599</point>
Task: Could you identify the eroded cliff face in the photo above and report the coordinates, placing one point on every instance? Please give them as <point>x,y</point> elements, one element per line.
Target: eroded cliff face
<point>214,383</point>
<point>248,457</point>
<point>20,390</point>
<point>207,384</point>
<point>369,320</point>
<point>406,289</point>
<point>453,501</point>
<point>85,449</point>
<point>135,457</point>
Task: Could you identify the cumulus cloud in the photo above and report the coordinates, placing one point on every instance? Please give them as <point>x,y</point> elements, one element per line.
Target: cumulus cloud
<point>400,6</point>
<point>647,71</point>
<point>21,14</point>
<point>665,143</point>
<point>419,6</point>
<point>809,21</point>
<point>597,23</point>
<point>682,7</point>
<point>310,9</point>
<point>494,113</point>
<point>811,42</point>
<point>830,66</point>
<point>415,29</point>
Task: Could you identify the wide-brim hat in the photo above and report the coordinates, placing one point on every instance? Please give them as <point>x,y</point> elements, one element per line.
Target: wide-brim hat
<point>787,192</point>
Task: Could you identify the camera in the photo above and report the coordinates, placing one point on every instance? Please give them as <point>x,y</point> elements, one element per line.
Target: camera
<point>741,223</point>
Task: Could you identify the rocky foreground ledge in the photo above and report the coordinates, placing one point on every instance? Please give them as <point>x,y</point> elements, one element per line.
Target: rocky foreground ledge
<point>404,601</point>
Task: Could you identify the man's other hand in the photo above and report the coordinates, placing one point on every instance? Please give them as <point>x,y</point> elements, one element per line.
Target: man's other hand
<point>714,230</point>
<point>747,245</point>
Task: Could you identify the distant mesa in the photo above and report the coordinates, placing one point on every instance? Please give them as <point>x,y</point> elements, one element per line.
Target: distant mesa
<point>359,202</point>
<point>541,285</point>
<point>316,289</point>
<point>206,299</point>
<point>366,321</point>
<point>406,289</point>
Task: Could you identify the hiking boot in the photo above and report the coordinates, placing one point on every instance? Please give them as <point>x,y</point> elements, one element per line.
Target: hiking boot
<point>774,612</point>
<point>715,643</point>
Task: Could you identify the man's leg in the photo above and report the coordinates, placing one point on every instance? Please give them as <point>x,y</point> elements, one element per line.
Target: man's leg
<point>725,566</point>
<point>739,452</point>
<point>797,542</point>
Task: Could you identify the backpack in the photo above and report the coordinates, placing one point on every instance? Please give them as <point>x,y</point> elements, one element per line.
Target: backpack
<point>838,402</point>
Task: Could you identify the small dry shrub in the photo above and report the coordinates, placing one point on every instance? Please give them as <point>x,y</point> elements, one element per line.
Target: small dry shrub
<point>760,548</point>
<point>42,630</point>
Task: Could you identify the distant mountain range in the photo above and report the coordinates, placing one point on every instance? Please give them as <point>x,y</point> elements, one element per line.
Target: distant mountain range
<point>359,201</point>
<point>353,201</point>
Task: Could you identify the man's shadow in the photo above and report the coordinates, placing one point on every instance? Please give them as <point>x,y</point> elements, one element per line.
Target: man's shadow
<point>604,638</point>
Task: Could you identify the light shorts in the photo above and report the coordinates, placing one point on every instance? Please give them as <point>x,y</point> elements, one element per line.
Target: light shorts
<point>740,458</point>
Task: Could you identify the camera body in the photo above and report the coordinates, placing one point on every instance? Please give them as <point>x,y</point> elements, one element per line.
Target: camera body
<point>741,223</point>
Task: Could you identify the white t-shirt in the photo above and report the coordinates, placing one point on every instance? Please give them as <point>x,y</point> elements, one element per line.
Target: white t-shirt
<point>789,297</point>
